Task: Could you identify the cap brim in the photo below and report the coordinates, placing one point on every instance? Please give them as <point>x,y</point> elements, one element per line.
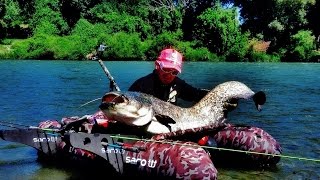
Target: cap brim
<point>171,65</point>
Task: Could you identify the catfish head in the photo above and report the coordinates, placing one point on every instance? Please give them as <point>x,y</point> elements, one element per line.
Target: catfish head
<point>130,108</point>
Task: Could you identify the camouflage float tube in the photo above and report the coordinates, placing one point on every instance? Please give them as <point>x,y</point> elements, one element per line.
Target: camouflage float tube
<point>183,160</point>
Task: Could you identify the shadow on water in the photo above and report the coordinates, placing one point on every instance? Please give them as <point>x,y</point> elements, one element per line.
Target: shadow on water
<point>77,169</point>
<point>233,160</point>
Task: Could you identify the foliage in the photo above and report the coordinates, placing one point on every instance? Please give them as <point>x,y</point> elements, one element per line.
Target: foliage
<point>164,40</point>
<point>313,17</point>
<point>254,56</point>
<point>164,19</point>
<point>118,21</point>
<point>219,31</point>
<point>276,20</point>
<point>191,52</point>
<point>138,29</point>
<point>73,10</point>
<point>32,48</point>
<point>125,46</point>
<point>48,11</point>
<point>301,46</point>
<point>12,13</point>
<point>200,54</point>
<point>2,30</point>
<point>51,47</point>
<point>46,28</point>
<point>9,18</point>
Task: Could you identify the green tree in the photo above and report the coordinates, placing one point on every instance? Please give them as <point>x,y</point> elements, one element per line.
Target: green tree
<point>164,40</point>
<point>125,46</point>
<point>11,18</point>
<point>192,9</point>
<point>27,9</point>
<point>301,46</point>
<point>73,10</point>
<point>119,21</point>
<point>14,18</point>
<point>48,11</point>
<point>163,20</point>
<point>218,29</point>
<point>274,20</point>
<point>183,14</point>
<point>313,18</point>
<point>86,35</point>
<point>2,23</point>
<point>291,16</point>
<point>12,13</point>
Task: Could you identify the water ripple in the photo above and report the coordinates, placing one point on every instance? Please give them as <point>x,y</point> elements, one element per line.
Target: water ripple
<point>32,91</point>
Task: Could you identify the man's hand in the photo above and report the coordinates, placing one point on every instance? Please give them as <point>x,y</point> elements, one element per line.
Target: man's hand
<point>230,105</point>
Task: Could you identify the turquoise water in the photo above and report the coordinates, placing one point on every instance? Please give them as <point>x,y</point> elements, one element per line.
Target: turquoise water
<point>33,91</point>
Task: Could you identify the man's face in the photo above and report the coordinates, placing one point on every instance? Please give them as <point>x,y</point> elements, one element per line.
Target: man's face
<point>166,75</point>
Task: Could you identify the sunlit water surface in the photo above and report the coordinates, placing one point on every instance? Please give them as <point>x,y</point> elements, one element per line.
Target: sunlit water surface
<point>33,91</point>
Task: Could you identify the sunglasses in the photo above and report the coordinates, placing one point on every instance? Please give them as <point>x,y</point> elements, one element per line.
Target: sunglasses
<point>173,72</point>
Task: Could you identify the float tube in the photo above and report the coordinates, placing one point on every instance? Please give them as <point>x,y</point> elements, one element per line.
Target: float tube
<point>76,138</point>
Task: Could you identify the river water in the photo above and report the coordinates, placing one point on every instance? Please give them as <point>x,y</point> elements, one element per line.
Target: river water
<point>32,91</point>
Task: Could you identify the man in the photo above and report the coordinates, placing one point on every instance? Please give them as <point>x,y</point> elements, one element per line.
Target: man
<point>163,82</point>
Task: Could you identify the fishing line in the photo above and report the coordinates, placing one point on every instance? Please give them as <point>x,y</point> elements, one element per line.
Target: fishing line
<point>216,148</point>
<point>96,100</point>
<point>89,102</point>
<point>205,147</point>
<point>177,143</point>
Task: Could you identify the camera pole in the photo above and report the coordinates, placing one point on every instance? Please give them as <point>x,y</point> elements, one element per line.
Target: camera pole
<point>113,84</point>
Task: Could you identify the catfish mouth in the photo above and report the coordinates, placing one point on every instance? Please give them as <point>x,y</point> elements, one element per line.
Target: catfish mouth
<point>111,99</point>
<point>119,107</point>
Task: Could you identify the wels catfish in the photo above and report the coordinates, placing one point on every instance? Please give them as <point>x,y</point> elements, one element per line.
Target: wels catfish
<point>157,116</point>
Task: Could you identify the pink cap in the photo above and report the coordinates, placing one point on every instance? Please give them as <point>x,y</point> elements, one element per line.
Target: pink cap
<point>170,58</point>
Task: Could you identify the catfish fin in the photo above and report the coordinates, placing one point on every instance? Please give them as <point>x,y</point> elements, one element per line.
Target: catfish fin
<point>163,119</point>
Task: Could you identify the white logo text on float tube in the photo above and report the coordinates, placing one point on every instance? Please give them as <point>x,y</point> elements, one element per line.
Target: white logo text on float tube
<point>143,162</point>
<point>45,139</point>
<point>132,160</point>
<point>112,150</point>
